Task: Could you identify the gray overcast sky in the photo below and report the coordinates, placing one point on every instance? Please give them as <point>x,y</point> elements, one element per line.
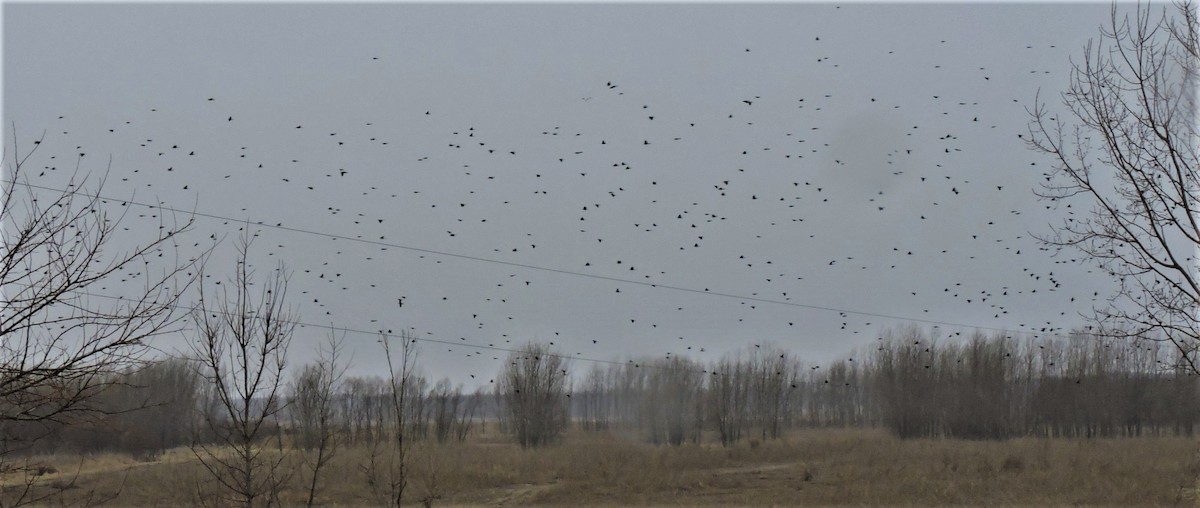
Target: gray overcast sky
<point>858,157</point>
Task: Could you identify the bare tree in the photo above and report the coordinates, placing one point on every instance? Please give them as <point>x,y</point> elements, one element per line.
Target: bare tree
<point>417,407</point>
<point>242,337</point>
<point>312,409</point>
<point>433,489</point>
<point>466,417</point>
<point>362,409</point>
<point>671,400</point>
<point>387,469</point>
<point>445,401</point>
<point>1125,149</point>
<point>534,388</point>
<point>771,377</point>
<point>63,339</point>
<point>596,401</point>
<point>155,405</point>
<point>729,398</point>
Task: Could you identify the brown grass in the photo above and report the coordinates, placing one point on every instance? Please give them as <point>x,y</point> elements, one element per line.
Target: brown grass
<point>811,467</point>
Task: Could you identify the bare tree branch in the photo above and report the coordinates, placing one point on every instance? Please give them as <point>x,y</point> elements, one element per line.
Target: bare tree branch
<point>1129,155</point>
<point>241,346</point>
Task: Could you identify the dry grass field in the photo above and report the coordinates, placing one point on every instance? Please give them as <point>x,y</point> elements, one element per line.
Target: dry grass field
<point>811,467</point>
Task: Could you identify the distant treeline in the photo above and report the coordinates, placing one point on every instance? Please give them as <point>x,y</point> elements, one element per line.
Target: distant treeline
<point>981,387</point>
<point>156,407</point>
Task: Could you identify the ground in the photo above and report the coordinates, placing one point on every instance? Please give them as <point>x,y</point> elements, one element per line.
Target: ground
<point>807,467</point>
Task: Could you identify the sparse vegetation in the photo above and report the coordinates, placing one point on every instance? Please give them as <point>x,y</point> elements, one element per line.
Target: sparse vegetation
<point>806,467</point>
<point>981,411</point>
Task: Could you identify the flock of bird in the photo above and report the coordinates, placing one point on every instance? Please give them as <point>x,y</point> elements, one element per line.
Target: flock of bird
<point>620,221</point>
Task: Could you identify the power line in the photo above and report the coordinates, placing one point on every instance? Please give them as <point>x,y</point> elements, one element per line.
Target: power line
<point>388,334</point>
<point>560,271</point>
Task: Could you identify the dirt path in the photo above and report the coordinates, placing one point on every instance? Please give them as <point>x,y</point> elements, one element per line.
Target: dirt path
<point>520,495</point>
<point>751,469</point>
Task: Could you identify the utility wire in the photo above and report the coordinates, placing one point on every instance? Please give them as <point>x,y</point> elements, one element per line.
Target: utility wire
<point>385,335</point>
<point>390,335</point>
<point>560,271</point>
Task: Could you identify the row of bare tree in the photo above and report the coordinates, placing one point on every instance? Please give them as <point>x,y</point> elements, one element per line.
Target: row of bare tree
<point>981,387</point>
<point>910,382</point>
<point>161,405</point>
<point>997,387</point>
<point>361,410</point>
